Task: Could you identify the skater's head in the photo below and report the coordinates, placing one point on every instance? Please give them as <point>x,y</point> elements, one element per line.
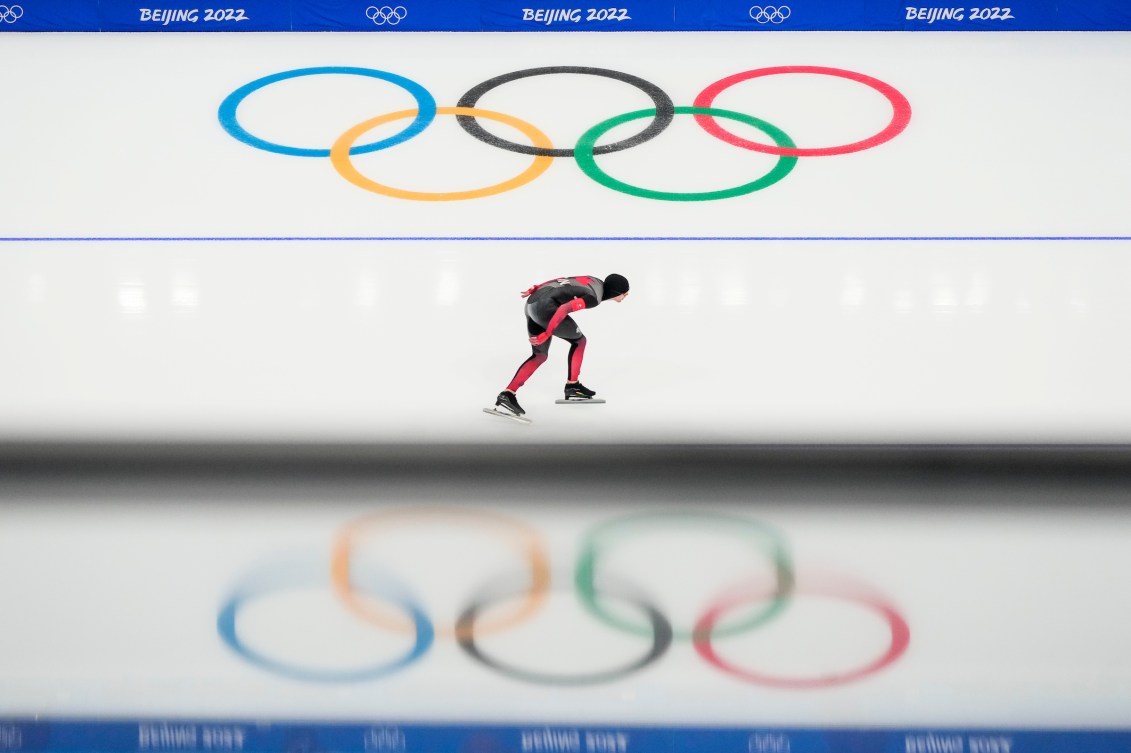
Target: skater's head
<point>616,288</point>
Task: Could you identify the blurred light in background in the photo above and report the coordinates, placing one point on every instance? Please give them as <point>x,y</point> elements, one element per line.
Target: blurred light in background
<point>185,294</point>
<point>132,298</point>
<point>366,296</point>
<point>447,288</point>
<point>36,288</point>
<point>852,292</point>
<point>943,299</point>
<point>734,293</point>
<point>979,294</point>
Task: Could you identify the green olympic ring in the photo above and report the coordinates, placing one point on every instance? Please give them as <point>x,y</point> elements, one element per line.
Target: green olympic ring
<point>583,153</point>
<point>765,541</point>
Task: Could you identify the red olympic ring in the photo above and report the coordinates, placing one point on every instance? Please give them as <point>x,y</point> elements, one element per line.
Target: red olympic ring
<point>900,636</point>
<point>901,112</point>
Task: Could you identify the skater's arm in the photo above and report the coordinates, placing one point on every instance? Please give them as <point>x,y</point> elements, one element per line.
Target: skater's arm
<point>563,311</point>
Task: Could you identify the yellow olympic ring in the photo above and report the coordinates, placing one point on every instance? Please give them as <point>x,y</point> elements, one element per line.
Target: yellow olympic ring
<point>340,156</point>
<point>525,541</point>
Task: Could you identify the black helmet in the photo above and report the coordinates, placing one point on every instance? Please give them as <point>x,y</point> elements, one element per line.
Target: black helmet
<point>614,285</point>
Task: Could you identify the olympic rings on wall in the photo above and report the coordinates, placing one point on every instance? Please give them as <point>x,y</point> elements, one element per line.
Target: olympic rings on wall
<point>10,13</point>
<point>426,110</point>
<point>901,111</point>
<point>340,152</point>
<point>386,15</point>
<point>769,14</point>
<point>662,115</point>
<point>585,152</point>
<point>586,148</point>
<point>385,603</point>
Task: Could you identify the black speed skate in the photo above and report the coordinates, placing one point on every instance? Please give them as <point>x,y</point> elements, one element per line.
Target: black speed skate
<point>509,402</point>
<point>578,393</point>
<point>506,406</point>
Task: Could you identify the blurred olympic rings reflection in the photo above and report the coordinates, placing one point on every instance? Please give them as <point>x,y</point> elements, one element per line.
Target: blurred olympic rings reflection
<point>759,539</point>
<point>291,574</point>
<point>523,540</point>
<point>659,630</point>
<point>585,149</point>
<point>899,638</point>
<point>759,592</point>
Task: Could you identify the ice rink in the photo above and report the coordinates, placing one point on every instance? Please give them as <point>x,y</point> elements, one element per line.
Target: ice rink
<point>244,473</point>
<point>963,281</point>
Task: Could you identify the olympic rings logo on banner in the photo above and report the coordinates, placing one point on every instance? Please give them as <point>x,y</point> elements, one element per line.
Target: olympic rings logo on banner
<point>585,150</point>
<point>769,14</point>
<point>386,15</point>
<point>754,596</point>
<point>10,13</point>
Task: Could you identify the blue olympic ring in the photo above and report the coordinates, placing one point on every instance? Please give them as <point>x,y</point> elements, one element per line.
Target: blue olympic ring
<point>425,105</point>
<point>294,575</point>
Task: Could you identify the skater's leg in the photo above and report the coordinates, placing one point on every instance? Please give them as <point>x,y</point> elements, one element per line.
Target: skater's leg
<point>571,333</point>
<point>538,356</point>
<point>576,356</point>
<point>528,367</point>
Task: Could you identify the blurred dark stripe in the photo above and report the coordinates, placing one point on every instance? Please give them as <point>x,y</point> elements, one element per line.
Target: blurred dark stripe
<point>617,465</point>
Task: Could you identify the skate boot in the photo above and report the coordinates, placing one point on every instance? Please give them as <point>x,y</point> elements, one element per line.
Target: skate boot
<point>578,391</point>
<point>506,406</point>
<point>508,402</point>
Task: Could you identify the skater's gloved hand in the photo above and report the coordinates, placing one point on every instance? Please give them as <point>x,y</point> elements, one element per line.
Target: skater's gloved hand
<point>539,339</point>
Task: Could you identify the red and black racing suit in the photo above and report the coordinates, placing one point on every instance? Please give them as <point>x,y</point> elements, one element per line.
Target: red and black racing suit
<point>548,309</point>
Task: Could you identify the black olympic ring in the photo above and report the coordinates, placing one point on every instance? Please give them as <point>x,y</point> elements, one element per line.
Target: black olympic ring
<point>662,635</point>
<point>665,110</point>
<point>10,14</point>
<point>386,14</point>
<point>769,14</point>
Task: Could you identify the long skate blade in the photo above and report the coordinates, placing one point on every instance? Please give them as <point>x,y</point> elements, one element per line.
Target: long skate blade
<point>578,401</point>
<point>511,416</point>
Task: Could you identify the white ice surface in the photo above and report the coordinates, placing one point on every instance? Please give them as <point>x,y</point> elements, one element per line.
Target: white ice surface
<point>1012,135</point>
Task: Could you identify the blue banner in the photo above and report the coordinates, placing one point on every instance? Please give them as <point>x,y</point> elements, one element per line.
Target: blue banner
<point>557,15</point>
<point>380,15</point>
<point>49,15</point>
<point>261,736</point>
<point>548,15</point>
<point>806,15</point>
<point>191,15</point>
